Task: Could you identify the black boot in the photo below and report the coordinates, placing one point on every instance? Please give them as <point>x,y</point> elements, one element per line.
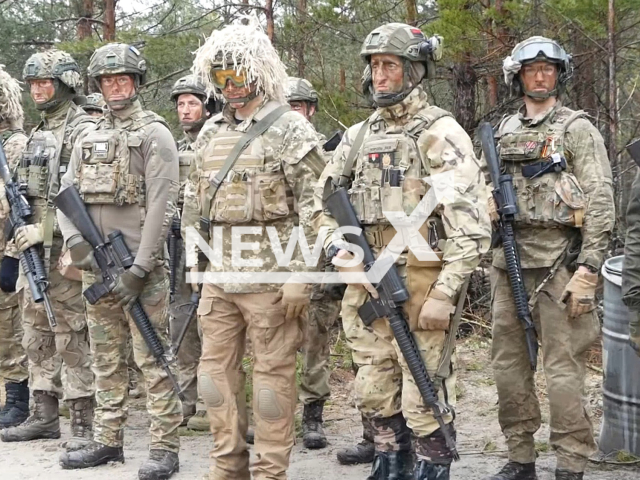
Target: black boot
<point>92,455</point>
<point>44,422</point>
<point>160,465</point>
<point>516,471</point>
<point>81,414</point>
<point>430,471</point>
<point>251,436</point>
<point>566,475</point>
<point>16,410</point>
<point>312,433</point>
<point>364,451</point>
<point>392,466</point>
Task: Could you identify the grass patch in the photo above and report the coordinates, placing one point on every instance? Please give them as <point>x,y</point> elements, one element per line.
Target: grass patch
<point>185,432</point>
<point>542,447</point>
<point>626,457</point>
<point>489,447</point>
<point>473,367</point>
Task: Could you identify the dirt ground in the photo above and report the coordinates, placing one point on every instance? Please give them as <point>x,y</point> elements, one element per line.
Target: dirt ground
<point>480,442</point>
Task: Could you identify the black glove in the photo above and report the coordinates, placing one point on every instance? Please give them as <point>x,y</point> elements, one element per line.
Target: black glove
<point>9,270</point>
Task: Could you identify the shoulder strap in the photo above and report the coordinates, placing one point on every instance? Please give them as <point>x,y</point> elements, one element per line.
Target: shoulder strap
<point>507,125</point>
<point>565,122</point>
<point>353,153</point>
<point>256,130</point>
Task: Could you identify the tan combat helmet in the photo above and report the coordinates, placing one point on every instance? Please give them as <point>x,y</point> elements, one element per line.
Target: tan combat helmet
<point>301,90</point>
<point>95,103</point>
<point>10,100</point>
<point>536,49</point>
<point>117,58</point>
<point>58,66</point>
<point>409,43</point>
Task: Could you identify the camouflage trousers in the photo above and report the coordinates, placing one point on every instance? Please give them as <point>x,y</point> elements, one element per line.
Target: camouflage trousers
<point>109,330</point>
<point>564,344</point>
<point>69,339</point>
<point>226,318</point>
<point>314,384</point>
<point>13,359</point>
<point>384,386</point>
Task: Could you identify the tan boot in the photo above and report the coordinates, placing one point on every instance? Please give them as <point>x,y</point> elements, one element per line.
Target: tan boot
<point>44,422</point>
<point>199,422</point>
<point>81,424</point>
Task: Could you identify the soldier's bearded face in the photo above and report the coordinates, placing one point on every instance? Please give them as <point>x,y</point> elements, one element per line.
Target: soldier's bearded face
<point>42,90</point>
<point>539,77</point>
<point>387,72</point>
<point>116,88</point>
<point>305,109</point>
<point>190,108</point>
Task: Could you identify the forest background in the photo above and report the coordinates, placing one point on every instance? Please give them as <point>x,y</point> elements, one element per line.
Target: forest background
<point>321,39</point>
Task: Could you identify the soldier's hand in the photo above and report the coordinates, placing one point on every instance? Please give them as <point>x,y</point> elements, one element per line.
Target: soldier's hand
<point>580,293</point>
<point>130,286</point>
<point>344,264</point>
<point>295,299</point>
<point>82,254</point>
<point>634,332</point>
<point>436,311</point>
<point>5,209</point>
<point>28,236</point>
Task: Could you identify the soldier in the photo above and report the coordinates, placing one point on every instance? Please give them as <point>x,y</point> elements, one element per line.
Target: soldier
<point>408,139</point>
<point>127,173</point>
<point>13,359</point>
<point>559,166</point>
<point>94,105</point>
<point>54,80</point>
<point>277,168</point>
<point>194,108</point>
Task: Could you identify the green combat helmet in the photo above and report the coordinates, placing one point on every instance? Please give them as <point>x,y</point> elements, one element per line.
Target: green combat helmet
<point>408,43</point>
<point>116,58</point>
<point>193,85</point>
<point>301,90</point>
<point>58,66</point>
<point>95,103</point>
<point>536,49</point>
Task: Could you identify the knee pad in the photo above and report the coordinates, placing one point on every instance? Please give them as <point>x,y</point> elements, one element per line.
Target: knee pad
<point>68,347</point>
<point>38,345</point>
<point>268,406</point>
<point>209,391</point>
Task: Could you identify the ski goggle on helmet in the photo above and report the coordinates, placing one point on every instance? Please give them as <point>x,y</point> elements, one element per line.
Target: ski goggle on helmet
<point>221,77</point>
<point>536,49</point>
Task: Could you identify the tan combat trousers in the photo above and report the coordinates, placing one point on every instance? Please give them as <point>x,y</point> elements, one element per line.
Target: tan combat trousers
<point>314,384</point>
<point>564,345</point>
<point>13,359</point>
<point>384,386</point>
<point>109,330</point>
<point>226,318</point>
<point>69,339</point>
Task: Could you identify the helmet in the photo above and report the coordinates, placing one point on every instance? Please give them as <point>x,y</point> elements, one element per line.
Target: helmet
<point>301,90</point>
<point>367,82</point>
<point>95,103</point>
<point>189,84</point>
<point>410,44</point>
<point>58,66</point>
<point>115,58</point>
<point>10,98</point>
<point>537,49</point>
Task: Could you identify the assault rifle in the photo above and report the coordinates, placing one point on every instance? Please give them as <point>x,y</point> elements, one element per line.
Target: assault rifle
<point>188,317</point>
<point>392,296</point>
<point>113,258</point>
<point>32,264</point>
<point>505,199</point>
<point>175,243</point>
<point>634,150</point>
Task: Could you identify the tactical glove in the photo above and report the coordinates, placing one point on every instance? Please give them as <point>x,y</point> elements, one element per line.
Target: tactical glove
<point>436,311</point>
<point>28,236</point>
<point>344,257</point>
<point>580,293</point>
<point>130,286</point>
<point>634,332</point>
<point>493,212</point>
<point>5,209</point>
<point>295,299</point>
<point>82,254</point>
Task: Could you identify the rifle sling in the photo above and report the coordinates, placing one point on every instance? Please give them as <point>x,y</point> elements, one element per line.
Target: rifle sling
<point>345,178</point>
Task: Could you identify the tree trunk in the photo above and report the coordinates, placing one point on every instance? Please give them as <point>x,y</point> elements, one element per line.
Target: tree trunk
<point>109,27</point>
<point>412,12</point>
<point>613,107</point>
<point>268,10</point>
<point>343,80</point>
<point>465,84</point>
<point>85,14</point>
<point>302,17</point>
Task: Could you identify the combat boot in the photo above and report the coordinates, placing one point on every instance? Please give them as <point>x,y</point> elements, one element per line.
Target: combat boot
<point>91,455</point>
<point>392,466</point>
<point>16,408</point>
<point>516,471</point>
<point>160,465</point>
<point>313,436</point>
<point>199,422</point>
<point>251,436</point>
<point>566,475</point>
<point>430,471</point>
<point>44,422</point>
<point>81,411</point>
<point>362,452</point>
